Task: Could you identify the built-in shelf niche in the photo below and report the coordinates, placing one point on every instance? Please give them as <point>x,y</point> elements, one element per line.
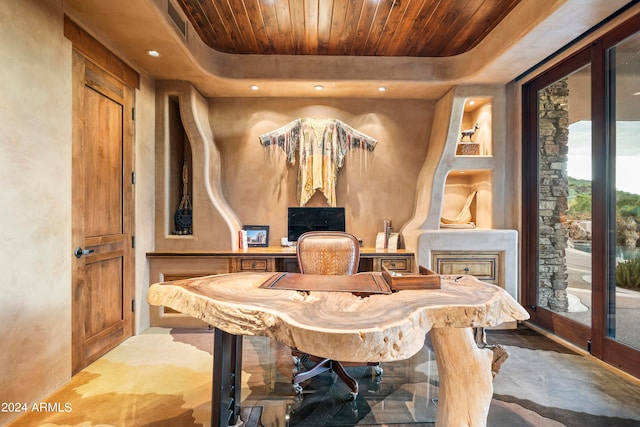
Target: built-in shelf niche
<point>477,111</point>
<point>459,186</point>
<point>179,156</point>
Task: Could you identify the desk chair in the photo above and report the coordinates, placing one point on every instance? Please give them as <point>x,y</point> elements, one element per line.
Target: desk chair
<point>328,253</point>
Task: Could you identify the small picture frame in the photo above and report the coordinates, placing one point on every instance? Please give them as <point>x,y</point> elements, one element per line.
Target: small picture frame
<point>257,235</point>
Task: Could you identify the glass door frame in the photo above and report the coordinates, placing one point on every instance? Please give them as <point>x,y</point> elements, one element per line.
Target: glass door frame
<point>593,339</point>
<point>611,351</point>
<point>571,330</point>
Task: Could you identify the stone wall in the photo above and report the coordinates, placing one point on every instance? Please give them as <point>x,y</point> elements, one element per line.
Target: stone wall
<point>553,193</point>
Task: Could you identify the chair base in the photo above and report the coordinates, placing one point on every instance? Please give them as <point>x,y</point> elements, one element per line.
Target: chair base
<point>324,365</point>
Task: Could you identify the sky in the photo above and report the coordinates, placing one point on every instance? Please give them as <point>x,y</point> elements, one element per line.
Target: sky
<point>627,157</point>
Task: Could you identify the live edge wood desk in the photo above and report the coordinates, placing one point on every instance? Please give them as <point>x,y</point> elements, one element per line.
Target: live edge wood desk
<point>342,326</point>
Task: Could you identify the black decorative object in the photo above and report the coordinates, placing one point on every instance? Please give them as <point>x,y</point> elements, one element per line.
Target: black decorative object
<point>303,219</point>
<point>183,218</point>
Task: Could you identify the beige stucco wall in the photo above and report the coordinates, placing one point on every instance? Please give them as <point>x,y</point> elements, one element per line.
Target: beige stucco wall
<point>259,184</point>
<point>182,123</point>
<point>144,195</point>
<point>35,201</point>
<point>35,177</point>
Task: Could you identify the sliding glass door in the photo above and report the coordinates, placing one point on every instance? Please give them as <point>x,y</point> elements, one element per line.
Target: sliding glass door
<point>564,186</point>
<point>581,193</point>
<point>623,292</point>
<point>558,163</point>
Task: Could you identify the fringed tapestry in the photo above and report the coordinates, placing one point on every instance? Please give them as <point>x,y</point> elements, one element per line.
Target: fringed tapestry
<point>322,145</point>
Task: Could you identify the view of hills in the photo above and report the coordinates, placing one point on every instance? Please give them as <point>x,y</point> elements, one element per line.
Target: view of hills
<point>627,204</point>
<point>627,217</point>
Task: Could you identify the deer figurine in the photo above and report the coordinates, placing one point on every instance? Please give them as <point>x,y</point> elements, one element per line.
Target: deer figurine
<point>469,133</point>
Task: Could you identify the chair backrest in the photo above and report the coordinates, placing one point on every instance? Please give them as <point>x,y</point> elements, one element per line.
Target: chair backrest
<point>328,252</point>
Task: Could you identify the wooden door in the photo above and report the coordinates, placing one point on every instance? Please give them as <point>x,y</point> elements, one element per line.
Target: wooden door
<point>102,274</point>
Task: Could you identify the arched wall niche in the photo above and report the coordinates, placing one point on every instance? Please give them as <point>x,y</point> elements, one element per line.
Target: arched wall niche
<point>458,168</point>
<point>184,137</point>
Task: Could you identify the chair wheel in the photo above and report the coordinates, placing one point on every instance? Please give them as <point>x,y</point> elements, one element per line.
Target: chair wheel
<point>378,370</point>
<point>297,388</point>
<point>353,395</point>
<point>354,407</point>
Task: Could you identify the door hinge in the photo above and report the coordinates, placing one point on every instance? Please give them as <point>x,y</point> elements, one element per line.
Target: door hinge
<point>133,177</point>
<point>133,241</point>
<point>133,113</point>
<point>133,306</point>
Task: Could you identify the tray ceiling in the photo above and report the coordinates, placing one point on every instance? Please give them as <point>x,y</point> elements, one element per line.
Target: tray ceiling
<point>351,47</point>
<point>418,28</point>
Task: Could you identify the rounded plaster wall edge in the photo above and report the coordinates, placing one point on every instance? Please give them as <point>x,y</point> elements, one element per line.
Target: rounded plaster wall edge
<point>425,194</point>
<point>192,108</point>
<point>441,159</point>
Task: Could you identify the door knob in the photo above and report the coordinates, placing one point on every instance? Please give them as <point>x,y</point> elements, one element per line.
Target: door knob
<point>79,252</point>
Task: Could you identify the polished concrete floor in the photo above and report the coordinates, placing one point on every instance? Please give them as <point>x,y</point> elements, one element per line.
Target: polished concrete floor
<point>163,378</point>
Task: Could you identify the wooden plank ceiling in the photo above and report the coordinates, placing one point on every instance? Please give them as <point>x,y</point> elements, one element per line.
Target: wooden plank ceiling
<point>419,28</point>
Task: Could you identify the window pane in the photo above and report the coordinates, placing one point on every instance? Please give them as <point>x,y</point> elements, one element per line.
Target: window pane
<point>564,139</point>
<point>624,292</point>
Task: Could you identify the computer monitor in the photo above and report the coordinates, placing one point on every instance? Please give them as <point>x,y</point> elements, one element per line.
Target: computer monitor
<point>302,220</point>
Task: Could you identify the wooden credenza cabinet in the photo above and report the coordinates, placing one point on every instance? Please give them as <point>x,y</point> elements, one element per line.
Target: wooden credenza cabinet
<point>168,266</point>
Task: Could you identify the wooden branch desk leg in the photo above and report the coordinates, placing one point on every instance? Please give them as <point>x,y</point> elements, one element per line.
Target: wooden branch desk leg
<point>227,360</point>
<point>466,382</point>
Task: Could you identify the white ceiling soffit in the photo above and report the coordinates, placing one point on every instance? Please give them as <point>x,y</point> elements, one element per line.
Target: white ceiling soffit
<point>531,32</point>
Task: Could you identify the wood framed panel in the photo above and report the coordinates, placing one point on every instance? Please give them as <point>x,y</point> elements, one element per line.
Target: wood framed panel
<point>103,212</point>
<point>486,266</point>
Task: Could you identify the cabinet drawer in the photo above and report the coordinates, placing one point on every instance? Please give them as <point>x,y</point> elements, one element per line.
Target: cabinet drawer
<point>396,264</point>
<point>486,266</point>
<point>254,264</point>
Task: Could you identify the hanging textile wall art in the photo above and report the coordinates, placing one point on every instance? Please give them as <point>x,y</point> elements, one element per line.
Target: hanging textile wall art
<point>322,145</point>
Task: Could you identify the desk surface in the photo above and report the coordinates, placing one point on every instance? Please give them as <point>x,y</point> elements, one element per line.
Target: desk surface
<point>277,251</point>
<point>338,325</point>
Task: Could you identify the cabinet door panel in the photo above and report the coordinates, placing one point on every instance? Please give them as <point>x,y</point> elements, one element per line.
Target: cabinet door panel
<point>486,266</point>
<point>255,264</point>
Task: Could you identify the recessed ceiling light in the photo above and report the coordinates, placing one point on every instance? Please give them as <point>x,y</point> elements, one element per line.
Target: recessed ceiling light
<point>382,89</point>
<point>254,87</point>
<point>153,53</point>
<point>636,93</point>
<point>318,87</point>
